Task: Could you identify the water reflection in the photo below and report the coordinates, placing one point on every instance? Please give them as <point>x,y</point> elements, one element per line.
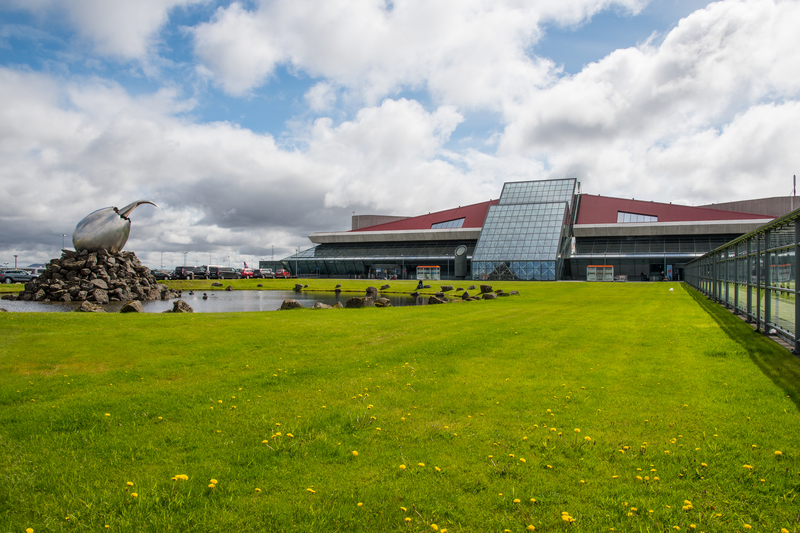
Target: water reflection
<point>219,302</point>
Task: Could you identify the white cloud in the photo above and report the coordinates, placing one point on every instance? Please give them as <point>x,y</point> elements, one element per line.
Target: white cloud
<point>466,52</point>
<point>618,123</point>
<point>126,29</point>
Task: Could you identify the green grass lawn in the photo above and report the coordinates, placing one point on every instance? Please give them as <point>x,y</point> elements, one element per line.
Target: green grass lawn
<point>574,406</point>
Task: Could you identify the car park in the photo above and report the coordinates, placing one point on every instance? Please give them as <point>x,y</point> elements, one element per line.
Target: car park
<point>160,274</point>
<point>222,272</point>
<point>263,273</point>
<point>189,272</point>
<point>246,273</point>
<point>16,276</point>
<point>283,273</point>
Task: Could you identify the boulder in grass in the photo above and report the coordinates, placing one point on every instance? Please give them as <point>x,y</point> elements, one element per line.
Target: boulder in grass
<point>436,300</point>
<point>320,305</point>
<point>338,285</point>
<point>134,306</point>
<point>229,288</point>
<point>465,295</point>
<point>298,287</point>
<point>414,294</point>
<point>447,288</point>
<point>489,296</point>
<point>384,287</point>
<point>486,289</point>
<point>471,288</point>
<point>179,306</point>
<point>371,290</point>
<point>338,305</point>
<point>291,304</point>
<point>216,284</point>
<point>514,293</point>
<point>89,307</point>
<point>359,302</point>
<point>383,302</point>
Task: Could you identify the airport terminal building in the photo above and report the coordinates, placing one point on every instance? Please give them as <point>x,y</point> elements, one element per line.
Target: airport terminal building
<point>536,230</point>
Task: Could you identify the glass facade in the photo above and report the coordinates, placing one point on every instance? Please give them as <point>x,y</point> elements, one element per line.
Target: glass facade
<point>366,259</point>
<point>524,235</point>
<point>623,217</point>
<point>457,223</point>
<point>755,275</point>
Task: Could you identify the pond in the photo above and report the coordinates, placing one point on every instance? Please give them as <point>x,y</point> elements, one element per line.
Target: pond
<point>219,302</point>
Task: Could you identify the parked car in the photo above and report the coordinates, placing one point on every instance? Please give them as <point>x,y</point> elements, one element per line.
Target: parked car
<point>263,273</point>
<point>283,273</point>
<point>189,272</point>
<point>222,272</point>
<point>246,273</point>
<point>160,274</point>
<point>16,276</point>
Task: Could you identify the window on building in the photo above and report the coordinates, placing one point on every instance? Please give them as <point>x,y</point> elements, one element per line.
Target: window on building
<point>457,223</point>
<point>623,217</point>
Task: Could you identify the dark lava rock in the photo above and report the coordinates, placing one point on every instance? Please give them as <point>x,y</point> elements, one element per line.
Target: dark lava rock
<point>383,302</point>
<point>446,288</point>
<point>436,300</point>
<point>89,307</point>
<point>134,306</point>
<point>291,304</point>
<point>360,301</point>
<point>489,296</point>
<point>486,289</point>
<point>320,305</point>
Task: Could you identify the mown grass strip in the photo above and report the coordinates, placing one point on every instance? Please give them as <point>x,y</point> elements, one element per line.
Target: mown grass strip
<point>681,410</point>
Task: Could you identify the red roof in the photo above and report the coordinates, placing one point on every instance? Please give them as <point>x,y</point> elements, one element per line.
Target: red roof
<point>473,216</point>
<point>603,210</point>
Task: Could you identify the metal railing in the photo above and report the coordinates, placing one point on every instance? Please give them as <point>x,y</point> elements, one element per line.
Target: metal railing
<point>754,275</point>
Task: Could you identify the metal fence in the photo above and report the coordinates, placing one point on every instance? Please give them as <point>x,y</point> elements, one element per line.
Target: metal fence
<point>754,275</point>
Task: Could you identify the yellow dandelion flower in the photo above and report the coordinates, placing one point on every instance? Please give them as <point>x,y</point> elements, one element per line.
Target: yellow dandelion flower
<point>577,430</point>
<point>434,527</point>
<point>533,500</point>
<point>211,486</point>
<point>134,495</point>
<point>312,491</point>
<point>778,453</point>
<point>522,460</point>
<point>403,509</point>
<point>258,490</point>
<point>530,527</point>
<point>420,464</point>
<point>407,519</point>
<point>219,401</point>
<point>290,435</point>
<point>438,469</point>
<point>108,414</point>
<point>29,530</point>
<point>129,483</point>
<point>587,439</point>
<point>516,500</point>
<point>747,467</point>
<point>214,481</point>
<point>360,504</point>
<point>402,467</point>
<point>748,526</point>
<point>511,455</point>
<point>355,453</point>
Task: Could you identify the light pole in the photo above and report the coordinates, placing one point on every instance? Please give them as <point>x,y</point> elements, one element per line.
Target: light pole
<point>15,261</point>
<point>273,253</point>
<point>296,271</point>
<point>184,258</point>
<point>63,236</point>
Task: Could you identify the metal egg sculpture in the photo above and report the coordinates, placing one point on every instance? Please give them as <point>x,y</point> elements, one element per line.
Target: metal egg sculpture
<point>106,228</point>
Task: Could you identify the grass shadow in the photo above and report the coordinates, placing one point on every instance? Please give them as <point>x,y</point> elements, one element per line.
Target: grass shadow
<point>776,362</point>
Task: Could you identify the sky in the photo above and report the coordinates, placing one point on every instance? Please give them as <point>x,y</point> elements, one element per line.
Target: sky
<point>252,124</point>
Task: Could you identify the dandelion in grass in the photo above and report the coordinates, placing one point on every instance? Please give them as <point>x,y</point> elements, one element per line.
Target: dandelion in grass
<point>129,483</point>
<point>134,495</point>
<point>407,519</point>
<point>516,500</point>
<point>359,504</point>
<point>530,527</point>
<point>402,467</point>
<point>258,490</point>
<point>748,467</point>
<point>438,469</point>
<point>778,453</point>
<point>108,414</point>
<point>434,527</point>
<point>355,453</point>
<point>403,509</point>
<point>311,491</point>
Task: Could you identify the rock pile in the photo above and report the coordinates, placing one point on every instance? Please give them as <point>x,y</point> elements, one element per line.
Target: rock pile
<point>97,277</point>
